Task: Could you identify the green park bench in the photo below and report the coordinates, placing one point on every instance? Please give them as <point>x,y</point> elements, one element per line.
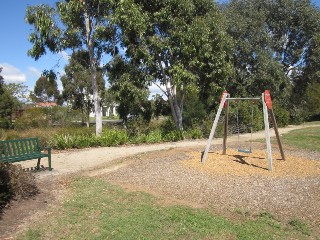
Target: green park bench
<point>23,149</point>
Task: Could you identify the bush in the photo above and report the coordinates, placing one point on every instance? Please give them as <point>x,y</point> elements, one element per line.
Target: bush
<point>66,141</point>
<point>173,136</point>
<point>44,117</point>
<point>32,118</point>
<point>168,126</point>
<point>297,115</point>
<point>282,115</point>
<point>63,116</point>
<point>5,123</point>
<point>137,126</point>
<point>113,137</point>
<point>154,136</point>
<point>15,183</point>
<point>195,133</point>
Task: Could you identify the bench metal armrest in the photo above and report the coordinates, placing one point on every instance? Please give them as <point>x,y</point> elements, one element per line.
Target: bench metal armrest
<point>47,149</point>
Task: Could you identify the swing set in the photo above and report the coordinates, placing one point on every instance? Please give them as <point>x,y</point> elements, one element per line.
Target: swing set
<point>267,111</point>
<point>238,128</point>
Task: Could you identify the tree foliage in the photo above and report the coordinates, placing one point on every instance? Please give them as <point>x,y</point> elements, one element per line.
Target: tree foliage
<point>177,44</point>
<point>19,91</point>
<point>74,24</point>
<point>275,48</point>
<point>77,90</point>
<point>129,91</point>
<point>191,49</point>
<point>7,104</point>
<point>46,88</point>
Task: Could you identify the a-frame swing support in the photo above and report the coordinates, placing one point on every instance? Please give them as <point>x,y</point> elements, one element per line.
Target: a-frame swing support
<point>267,109</point>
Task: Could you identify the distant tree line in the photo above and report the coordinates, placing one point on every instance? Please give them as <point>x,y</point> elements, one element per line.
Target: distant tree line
<point>192,49</point>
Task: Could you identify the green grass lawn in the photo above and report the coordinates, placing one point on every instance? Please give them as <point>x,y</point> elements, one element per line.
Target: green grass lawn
<point>96,209</point>
<point>306,138</point>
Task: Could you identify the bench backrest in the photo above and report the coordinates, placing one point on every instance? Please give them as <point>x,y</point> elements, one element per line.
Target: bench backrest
<point>19,147</point>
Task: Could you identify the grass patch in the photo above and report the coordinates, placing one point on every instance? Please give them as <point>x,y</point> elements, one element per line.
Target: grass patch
<point>96,209</point>
<point>300,226</point>
<point>306,138</point>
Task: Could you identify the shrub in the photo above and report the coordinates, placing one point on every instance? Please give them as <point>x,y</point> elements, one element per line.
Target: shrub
<point>66,141</point>
<point>63,116</point>
<point>5,123</point>
<point>137,126</point>
<point>141,138</point>
<point>32,118</point>
<point>282,115</point>
<point>173,136</point>
<point>168,126</point>
<point>195,133</point>
<point>44,117</point>
<point>113,137</point>
<point>297,115</point>
<point>154,136</point>
<point>15,183</point>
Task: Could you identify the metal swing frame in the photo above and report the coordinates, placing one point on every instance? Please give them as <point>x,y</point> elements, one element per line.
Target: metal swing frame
<point>267,110</point>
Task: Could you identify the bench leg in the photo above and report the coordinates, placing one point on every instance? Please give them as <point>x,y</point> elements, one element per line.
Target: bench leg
<point>49,162</point>
<point>38,164</point>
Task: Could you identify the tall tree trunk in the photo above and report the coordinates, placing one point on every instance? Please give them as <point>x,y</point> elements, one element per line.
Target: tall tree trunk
<point>176,110</point>
<point>93,71</point>
<point>88,117</point>
<point>178,113</point>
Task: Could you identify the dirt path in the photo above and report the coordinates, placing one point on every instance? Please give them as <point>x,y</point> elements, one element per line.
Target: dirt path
<point>87,159</point>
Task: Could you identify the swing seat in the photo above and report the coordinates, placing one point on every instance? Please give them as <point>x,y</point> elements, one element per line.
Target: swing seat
<point>244,150</point>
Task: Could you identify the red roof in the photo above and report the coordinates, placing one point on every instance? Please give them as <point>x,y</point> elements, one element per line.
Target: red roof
<point>46,104</point>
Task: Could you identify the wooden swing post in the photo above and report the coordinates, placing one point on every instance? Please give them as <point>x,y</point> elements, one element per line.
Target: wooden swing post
<point>267,109</point>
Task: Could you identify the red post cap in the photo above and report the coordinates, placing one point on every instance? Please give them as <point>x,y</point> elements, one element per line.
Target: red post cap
<point>267,99</point>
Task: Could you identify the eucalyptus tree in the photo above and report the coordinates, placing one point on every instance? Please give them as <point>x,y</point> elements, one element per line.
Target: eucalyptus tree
<point>46,88</point>
<point>77,90</point>
<point>7,103</point>
<point>273,45</point>
<point>180,45</point>
<point>128,90</point>
<point>312,76</point>
<point>18,91</point>
<point>75,24</point>
<point>255,67</point>
<point>294,26</point>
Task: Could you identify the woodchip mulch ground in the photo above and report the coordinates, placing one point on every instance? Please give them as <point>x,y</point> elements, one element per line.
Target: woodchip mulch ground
<point>229,184</point>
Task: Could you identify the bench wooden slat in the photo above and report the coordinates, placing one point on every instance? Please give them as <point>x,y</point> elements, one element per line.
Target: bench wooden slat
<point>8,149</point>
<point>25,147</point>
<point>14,149</point>
<point>22,150</point>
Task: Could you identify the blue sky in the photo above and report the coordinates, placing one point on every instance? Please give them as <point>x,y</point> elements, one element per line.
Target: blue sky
<point>14,44</point>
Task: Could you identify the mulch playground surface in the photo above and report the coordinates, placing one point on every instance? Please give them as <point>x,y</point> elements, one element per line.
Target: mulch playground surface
<point>244,164</point>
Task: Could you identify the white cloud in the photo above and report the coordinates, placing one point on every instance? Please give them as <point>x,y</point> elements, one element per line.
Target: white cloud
<point>64,55</point>
<point>11,74</point>
<point>34,72</point>
<point>154,89</point>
